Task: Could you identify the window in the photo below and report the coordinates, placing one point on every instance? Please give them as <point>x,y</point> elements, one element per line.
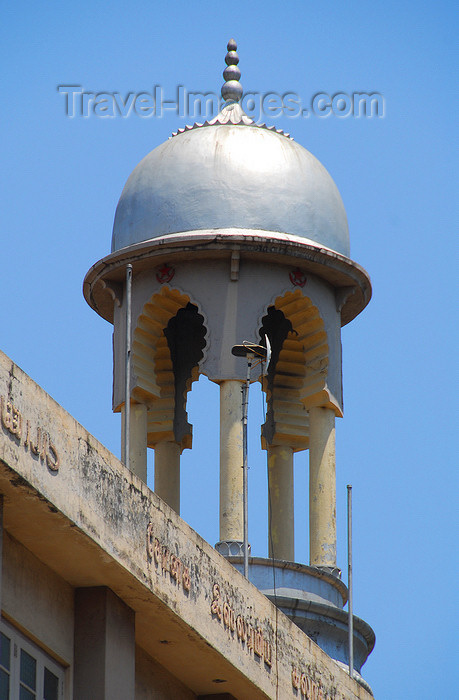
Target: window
<point>26,671</point>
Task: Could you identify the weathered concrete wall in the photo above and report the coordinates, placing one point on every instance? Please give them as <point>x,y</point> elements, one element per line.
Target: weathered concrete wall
<point>40,602</point>
<point>153,682</point>
<point>37,599</point>
<point>104,646</point>
<point>96,524</point>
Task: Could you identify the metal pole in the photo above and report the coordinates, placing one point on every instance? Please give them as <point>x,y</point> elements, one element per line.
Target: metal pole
<point>127,375</point>
<point>245,475</point>
<point>349,581</point>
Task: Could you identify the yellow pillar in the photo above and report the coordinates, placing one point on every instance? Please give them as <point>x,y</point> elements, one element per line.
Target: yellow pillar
<point>137,439</point>
<point>322,487</point>
<point>281,510</point>
<point>231,459</point>
<point>167,473</point>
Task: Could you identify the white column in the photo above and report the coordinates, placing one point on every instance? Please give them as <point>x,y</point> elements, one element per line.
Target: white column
<point>167,473</point>
<point>281,508</point>
<point>231,459</point>
<point>322,487</point>
<point>137,439</point>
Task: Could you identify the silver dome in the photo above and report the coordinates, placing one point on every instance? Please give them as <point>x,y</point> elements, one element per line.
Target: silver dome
<point>228,175</point>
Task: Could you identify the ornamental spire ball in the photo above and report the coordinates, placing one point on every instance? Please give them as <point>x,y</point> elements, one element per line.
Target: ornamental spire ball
<point>232,89</point>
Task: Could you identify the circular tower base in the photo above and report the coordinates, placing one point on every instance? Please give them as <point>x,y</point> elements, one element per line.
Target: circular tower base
<point>313,599</point>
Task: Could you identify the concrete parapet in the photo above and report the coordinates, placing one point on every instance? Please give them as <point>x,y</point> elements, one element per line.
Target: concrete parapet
<point>73,505</point>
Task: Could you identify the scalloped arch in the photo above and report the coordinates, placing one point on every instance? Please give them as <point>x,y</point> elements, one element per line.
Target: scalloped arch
<point>300,375</point>
<point>154,381</point>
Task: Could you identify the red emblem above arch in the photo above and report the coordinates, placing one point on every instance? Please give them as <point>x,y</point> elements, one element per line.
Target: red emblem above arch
<point>297,277</point>
<point>164,273</point>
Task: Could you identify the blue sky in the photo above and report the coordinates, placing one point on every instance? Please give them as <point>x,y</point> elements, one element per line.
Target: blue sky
<point>61,180</point>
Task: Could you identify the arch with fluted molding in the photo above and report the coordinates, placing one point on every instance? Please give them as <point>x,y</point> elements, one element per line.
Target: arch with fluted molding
<point>298,380</point>
<point>153,371</point>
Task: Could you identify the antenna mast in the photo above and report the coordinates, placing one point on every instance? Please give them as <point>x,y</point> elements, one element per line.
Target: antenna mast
<point>349,581</point>
<point>250,351</point>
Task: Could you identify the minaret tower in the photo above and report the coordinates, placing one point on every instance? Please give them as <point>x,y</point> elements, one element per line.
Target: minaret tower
<point>235,232</point>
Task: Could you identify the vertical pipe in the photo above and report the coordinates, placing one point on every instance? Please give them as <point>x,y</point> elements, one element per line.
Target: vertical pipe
<point>349,581</point>
<point>127,374</point>
<point>245,487</point>
<point>138,427</point>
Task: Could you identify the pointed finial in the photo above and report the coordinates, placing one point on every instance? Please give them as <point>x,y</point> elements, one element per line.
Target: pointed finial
<point>232,89</point>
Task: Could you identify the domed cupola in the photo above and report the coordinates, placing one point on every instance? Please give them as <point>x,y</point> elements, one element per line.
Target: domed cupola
<point>231,232</point>
<point>230,173</point>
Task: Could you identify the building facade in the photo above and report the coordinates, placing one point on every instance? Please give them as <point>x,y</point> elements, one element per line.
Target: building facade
<point>229,234</point>
<point>108,593</point>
